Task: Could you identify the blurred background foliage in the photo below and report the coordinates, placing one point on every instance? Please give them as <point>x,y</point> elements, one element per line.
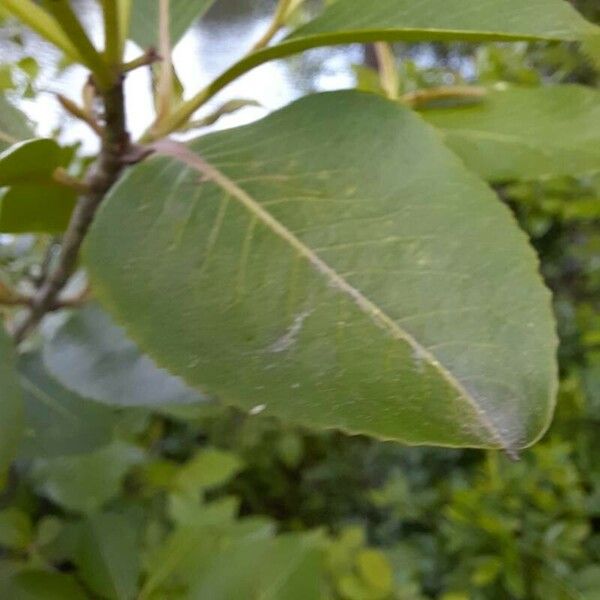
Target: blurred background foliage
<point>209,503</point>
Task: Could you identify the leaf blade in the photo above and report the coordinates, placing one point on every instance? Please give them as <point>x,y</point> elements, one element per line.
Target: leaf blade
<point>11,407</point>
<point>525,133</point>
<point>261,321</point>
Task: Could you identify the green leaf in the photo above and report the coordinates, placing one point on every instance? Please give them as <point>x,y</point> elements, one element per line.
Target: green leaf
<point>209,468</point>
<point>288,567</point>
<point>14,125</point>
<point>358,278</point>
<point>355,20</point>
<point>144,20</point>
<point>33,201</point>
<point>109,556</point>
<point>85,483</point>
<point>525,133</point>
<point>43,585</point>
<point>42,23</point>
<point>187,549</point>
<point>349,21</point>
<point>16,530</point>
<point>11,405</point>
<point>92,356</point>
<point>59,422</point>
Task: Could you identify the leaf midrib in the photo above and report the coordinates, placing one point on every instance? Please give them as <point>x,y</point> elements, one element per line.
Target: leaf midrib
<point>209,172</point>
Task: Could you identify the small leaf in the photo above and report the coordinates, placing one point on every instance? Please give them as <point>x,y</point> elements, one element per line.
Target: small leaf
<point>359,278</point>
<point>209,468</point>
<point>43,585</point>
<point>92,356</point>
<point>85,483</point>
<point>11,405</point>
<point>288,567</point>
<point>525,133</point>
<point>109,556</point>
<point>16,530</point>
<point>14,125</point>
<point>59,422</point>
<point>33,201</point>
<point>183,14</point>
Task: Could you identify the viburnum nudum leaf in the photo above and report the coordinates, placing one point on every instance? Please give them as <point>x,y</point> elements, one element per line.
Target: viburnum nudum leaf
<point>336,265</point>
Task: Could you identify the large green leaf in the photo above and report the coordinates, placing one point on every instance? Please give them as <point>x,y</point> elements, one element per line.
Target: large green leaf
<point>145,19</point>
<point>11,407</point>
<point>348,21</point>
<point>92,356</point>
<point>523,133</point>
<point>448,20</point>
<point>60,422</point>
<point>32,200</point>
<point>336,265</point>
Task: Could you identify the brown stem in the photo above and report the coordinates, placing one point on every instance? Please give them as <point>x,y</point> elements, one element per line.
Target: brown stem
<point>104,173</point>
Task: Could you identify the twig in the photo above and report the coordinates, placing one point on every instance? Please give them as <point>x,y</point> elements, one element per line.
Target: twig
<point>425,96</point>
<point>148,58</point>
<point>61,177</point>
<point>79,113</point>
<point>388,72</point>
<point>164,86</point>
<point>102,176</point>
<point>277,22</point>
<point>229,107</point>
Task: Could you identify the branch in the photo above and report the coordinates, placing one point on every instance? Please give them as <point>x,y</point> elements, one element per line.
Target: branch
<point>388,72</point>
<point>104,173</point>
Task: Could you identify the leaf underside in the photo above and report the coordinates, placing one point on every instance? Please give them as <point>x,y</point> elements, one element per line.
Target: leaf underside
<point>337,265</point>
<point>91,356</point>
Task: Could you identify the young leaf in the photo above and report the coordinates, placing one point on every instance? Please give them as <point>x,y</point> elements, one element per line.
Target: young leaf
<point>33,201</point>
<point>59,422</point>
<point>336,265</point>
<point>11,406</point>
<point>525,133</point>
<point>144,20</point>
<point>92,356</point>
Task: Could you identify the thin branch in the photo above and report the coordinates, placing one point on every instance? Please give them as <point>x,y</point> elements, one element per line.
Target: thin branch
<point>388,71</point>
<point>102,176</point>
<point>63,178</point>
<point>79,113</point>
<point>149,57</point>
<point>423,97</point>
<point>276,24</point>
<point>164,87</point>
<point>113,47</point>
